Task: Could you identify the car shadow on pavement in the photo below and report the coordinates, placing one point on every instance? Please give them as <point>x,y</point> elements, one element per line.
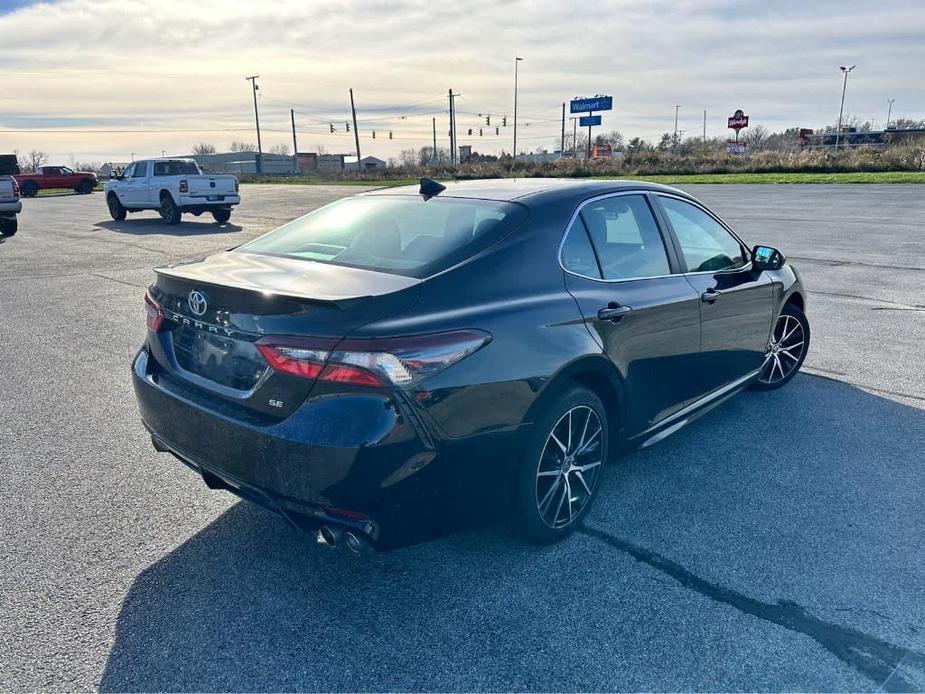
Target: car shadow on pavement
<point>806,499</point>
<point>141,226</point>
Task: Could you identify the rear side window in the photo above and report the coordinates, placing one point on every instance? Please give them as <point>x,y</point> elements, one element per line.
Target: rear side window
<point>625,237</point>
<point>400,234</point>
<point>577,254</point>
<point>175,168</point>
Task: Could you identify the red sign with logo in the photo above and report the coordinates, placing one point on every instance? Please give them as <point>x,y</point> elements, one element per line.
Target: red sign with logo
<point>738,120</point>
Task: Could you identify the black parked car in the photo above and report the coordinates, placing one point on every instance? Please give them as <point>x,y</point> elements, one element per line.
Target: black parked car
<point>400,362</point>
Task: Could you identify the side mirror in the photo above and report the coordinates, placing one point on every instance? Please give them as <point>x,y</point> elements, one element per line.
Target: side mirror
<point>767,258</point>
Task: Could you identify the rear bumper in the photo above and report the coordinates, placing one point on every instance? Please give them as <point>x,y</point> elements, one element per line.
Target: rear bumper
<point>11,208</point>
<point>203,201</point>
<point>365,454</point>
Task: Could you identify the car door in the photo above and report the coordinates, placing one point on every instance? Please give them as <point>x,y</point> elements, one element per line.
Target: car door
<point>736,302</point>
<point>136,185</point>
<point>625,277</point>
<point>51,177</point>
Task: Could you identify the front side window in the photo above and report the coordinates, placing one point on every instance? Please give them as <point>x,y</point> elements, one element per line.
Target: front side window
<point>705,243</point>
<point>625,237</point>
<point>141,169</point>
<point>129,170</point>
<point>399,234</point>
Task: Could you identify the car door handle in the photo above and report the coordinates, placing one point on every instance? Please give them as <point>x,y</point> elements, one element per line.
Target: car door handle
<point>613,313</point>
<point>711,295</point>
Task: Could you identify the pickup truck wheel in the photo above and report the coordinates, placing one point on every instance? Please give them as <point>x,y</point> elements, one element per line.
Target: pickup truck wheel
<point>8,226</point>
<point>85,187</point>
<point>29,189</point>
<point>116,210</point>
<point>221,216</point>
<point>170,213</point>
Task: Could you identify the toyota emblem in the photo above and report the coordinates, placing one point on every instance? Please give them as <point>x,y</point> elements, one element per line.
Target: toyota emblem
<point>198,302</point>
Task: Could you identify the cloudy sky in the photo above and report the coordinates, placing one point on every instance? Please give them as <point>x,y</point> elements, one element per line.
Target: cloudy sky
<point>75,73</point>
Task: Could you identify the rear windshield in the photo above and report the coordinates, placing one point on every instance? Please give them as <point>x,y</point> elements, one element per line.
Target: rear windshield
<point>175,168</point>
<point>400,234</point>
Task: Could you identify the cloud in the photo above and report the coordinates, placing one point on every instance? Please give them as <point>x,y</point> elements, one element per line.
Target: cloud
<point>172,65</point>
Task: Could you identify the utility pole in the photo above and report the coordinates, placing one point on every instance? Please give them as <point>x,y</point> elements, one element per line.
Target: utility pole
<point>841,109</point>
<point>295,145</point>
<point>562,145</point>
<point>356,133</point>
<point>516,60</point>
<point>704,126</point>
<point>253,80</point>
<point>574,136</point>
<point>889,112</point>
<point>434,153</point>
<point>674,141</point>
<point>453,127</point>
<point>589,135</point>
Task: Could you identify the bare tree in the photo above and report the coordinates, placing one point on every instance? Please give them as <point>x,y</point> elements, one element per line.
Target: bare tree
<point>30,162</point>
<point>243,147</point>
<point>614,138</point>
<point>280,148</point>
<point>203,148</point>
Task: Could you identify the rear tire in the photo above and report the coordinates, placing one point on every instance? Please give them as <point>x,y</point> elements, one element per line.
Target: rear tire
<point>8,226</point>
<point>29,189</point>
<point>169,211</point>
<point>559,473</point>
<point>85,187</point>
<point>787,348</point>
<point>221,216</point>
<point>116,210</point>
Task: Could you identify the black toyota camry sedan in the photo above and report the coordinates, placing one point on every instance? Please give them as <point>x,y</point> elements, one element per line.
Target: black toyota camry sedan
<point>403,362</point>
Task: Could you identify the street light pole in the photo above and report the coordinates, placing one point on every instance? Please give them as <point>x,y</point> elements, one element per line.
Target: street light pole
<point>516,60</point>
<point>841,109</point>
<point>253,80</point>
<point>674,141</point>
<point>889,112</point>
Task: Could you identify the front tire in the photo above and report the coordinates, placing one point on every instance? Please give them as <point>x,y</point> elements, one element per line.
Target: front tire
<point>787,348</point>
<point>558,476</point>
<point>116,210</point>
<point>221,216</point>
<point>8,226</point>
<point>169,211</point>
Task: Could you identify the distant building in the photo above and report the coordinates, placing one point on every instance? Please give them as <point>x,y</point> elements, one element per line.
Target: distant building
<point>244,162</point>
<point>311,163</point>
<point>366,164</point>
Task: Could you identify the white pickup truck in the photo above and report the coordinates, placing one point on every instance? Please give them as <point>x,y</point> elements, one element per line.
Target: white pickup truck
<point>172,187</point>
<point>10,205</point>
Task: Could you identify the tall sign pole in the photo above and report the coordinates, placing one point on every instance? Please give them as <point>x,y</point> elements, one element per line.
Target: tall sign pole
<point>259,163</point>
<point>295,145</point>
<point>516,61</point>
<point>590,105</point>
<point>562,144</point>
<point>356,132</point>
<point>434,153</point>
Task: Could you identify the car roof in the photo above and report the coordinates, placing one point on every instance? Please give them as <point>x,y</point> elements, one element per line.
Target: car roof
<point>530,189</point>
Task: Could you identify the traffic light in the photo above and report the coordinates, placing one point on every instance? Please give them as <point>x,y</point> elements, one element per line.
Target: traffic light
<point>496,131</point>
<point>504,121</point>
<point>390,134</point>
<point>487,120</point>
<point>470,131</point>
<point>332,127</point>
<point>480,132</point>
<point>374,134</point>
<point>347,126</point>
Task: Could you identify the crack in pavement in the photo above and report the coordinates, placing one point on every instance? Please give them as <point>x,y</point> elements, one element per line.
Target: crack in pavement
<point>869,655</point>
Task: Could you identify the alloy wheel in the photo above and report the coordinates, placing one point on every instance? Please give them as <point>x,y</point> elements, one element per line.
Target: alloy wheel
<point>569,465</point>
<point>785,350</point>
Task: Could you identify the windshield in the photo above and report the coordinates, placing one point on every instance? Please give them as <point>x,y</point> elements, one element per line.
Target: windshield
<point>401,234</point>
<point>175,168</point>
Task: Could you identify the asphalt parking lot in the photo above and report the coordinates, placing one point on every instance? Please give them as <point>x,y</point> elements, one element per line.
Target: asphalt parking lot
<point>775,544</point>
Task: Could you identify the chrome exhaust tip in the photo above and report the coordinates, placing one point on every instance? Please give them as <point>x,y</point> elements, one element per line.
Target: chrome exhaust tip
<point>356,543</point>
<point>327,536</point>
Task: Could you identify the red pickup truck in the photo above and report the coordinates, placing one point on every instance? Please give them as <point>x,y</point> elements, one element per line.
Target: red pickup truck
<point>56,177</point>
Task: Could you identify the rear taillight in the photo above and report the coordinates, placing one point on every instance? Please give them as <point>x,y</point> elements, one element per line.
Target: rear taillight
<point>236,185</point>
<point>15,189</point>
<point>184,186</point>
<point>155,317</point>
<point>398,361</point>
